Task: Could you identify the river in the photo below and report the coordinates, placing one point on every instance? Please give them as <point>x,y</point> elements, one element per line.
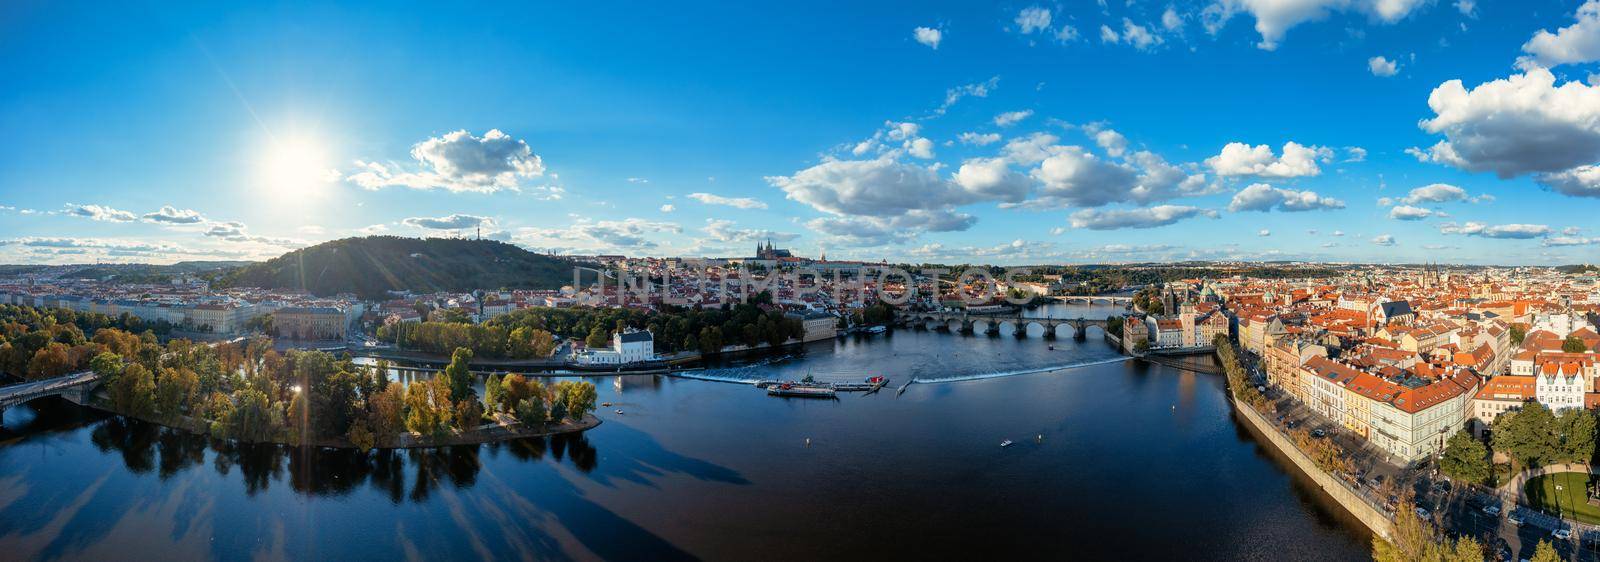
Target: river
<point>1112,459</point>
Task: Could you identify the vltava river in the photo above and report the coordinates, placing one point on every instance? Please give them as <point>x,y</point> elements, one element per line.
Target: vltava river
<point>1112,459</point>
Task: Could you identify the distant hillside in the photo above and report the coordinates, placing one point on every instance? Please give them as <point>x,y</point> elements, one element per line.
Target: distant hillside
<point>370,266</point>
<point>123,272</point>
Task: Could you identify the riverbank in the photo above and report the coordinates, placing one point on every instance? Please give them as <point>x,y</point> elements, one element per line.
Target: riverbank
<point>1373,518</point>
<point>486,433</point>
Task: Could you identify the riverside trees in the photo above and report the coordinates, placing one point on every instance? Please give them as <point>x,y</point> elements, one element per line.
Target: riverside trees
<point>530,332</point>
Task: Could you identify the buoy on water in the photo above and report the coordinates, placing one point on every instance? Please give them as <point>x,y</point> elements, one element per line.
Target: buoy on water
<point>808,441</point>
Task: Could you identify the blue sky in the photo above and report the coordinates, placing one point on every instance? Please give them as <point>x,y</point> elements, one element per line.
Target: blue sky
<point>1026,133</point>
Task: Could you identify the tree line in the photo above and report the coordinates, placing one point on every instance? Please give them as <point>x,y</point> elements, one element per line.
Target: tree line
<point>1529,437</point>
<point>251,392</point>
<point>41,343</point>
<point>532,332</point>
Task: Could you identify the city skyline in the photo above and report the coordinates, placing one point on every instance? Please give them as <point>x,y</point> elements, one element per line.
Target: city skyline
<point>1370,131</point>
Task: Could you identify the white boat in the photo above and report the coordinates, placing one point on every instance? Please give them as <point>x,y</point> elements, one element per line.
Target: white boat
<point>877,330</point>
<point>1006,443</point>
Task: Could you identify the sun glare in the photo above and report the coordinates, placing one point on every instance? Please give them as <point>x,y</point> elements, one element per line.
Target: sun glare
<point>296,168</point>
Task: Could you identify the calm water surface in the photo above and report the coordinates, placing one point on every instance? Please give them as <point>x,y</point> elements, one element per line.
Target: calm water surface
<point>1135,462</point>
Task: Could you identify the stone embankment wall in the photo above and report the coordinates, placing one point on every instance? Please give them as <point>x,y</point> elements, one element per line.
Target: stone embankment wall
<point>1376,520</point>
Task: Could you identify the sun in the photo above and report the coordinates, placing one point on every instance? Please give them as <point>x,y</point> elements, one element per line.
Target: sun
<point>293,169</point>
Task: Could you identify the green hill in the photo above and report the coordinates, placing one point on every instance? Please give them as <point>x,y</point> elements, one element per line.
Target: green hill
<point>370,266</point>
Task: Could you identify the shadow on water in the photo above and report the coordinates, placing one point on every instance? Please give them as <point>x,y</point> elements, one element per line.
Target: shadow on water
<point>649,460</point>
<point>163,461</point>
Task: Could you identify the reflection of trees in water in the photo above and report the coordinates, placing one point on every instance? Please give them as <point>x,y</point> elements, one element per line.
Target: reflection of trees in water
<point>146,447</point>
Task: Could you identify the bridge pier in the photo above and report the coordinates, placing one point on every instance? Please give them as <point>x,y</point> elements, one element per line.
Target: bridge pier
<point>1020,331</point>
<point>966,327</point>
<point>992,329</point>
<point>1049,332</point>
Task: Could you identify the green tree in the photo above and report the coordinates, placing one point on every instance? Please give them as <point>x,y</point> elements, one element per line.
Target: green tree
<point>134,391</point>
<point>493,391</point>
<point>427,407</point>
<point>251,418</point>
<point>108,365</point>
<point>580,398</point>
<point>361,436</point>
<point>1466,459</point>
<point>598,337</point>
<point>468,414</point>
<point>1545,552</point>
<point>386,411</point>
<point>1527,435</point>
<point>459,375</point>
<point>1518,333</point>
<point>175,391</point>
<point>531,410</point>
<point>1573,345</point>
<point>1577,429</point>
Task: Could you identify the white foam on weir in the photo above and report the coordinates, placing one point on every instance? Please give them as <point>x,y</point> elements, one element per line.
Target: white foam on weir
<point>996,375</point>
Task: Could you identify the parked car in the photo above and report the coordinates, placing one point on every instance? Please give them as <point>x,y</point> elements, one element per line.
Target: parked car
<point>1423,513</point>
<point>1318,433</point>
<point>1493,510</point>
<point>1515,519</point>
<point>1561,534</point>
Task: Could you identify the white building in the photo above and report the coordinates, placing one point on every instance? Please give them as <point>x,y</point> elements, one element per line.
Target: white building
<point>626,347</point>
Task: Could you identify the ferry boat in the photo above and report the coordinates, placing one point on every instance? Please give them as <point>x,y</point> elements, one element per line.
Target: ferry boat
<point>800,391</point>
<point>877,330</point>
<point>1005,443</point>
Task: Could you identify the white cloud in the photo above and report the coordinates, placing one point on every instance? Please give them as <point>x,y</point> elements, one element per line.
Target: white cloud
<point>1384,240</point>
<point>631,233</point>
<point>1171,20</point>
<point>976,90</point>
<point>1264,232</point>
<point>1410,213</point>
<point>638,180</point>
<point>1066,33</point>
<point>1466,7</point>
<point>370,230</point>
<point>1382,66</point>
<point>1033,18</point>
<point>977,139</point>
<point>459,162</point>
<point>452,222</point>
<point>1355,154</point>
<point>1151,217</point>
<point>1521,124</point>
<point>723,231</point>
<point>99,213</point>
<point>1338,233</point>
<point>1135,35</point>
<point>1435,193</point>
<point>173,215</point>
<point>920,148</point>
<point>928,36</point>
<point>1240,159</point>
<point>668,208</point>
<point>1262,197</point>
<point>735,202</point>
<point>1012,117</point>
<point>1581,181</point>
<point>1274,18</point>
<point>1554,241</point>
<point>1576,43</point>
<point>1109,140</point>
<point>871,197</point>
<point>992,178</point>
<point>1511,231</point>
<point>234,231</point>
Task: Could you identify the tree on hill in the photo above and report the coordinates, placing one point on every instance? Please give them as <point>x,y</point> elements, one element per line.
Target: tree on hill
<point>458,375</point>
<point>371,266</point>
